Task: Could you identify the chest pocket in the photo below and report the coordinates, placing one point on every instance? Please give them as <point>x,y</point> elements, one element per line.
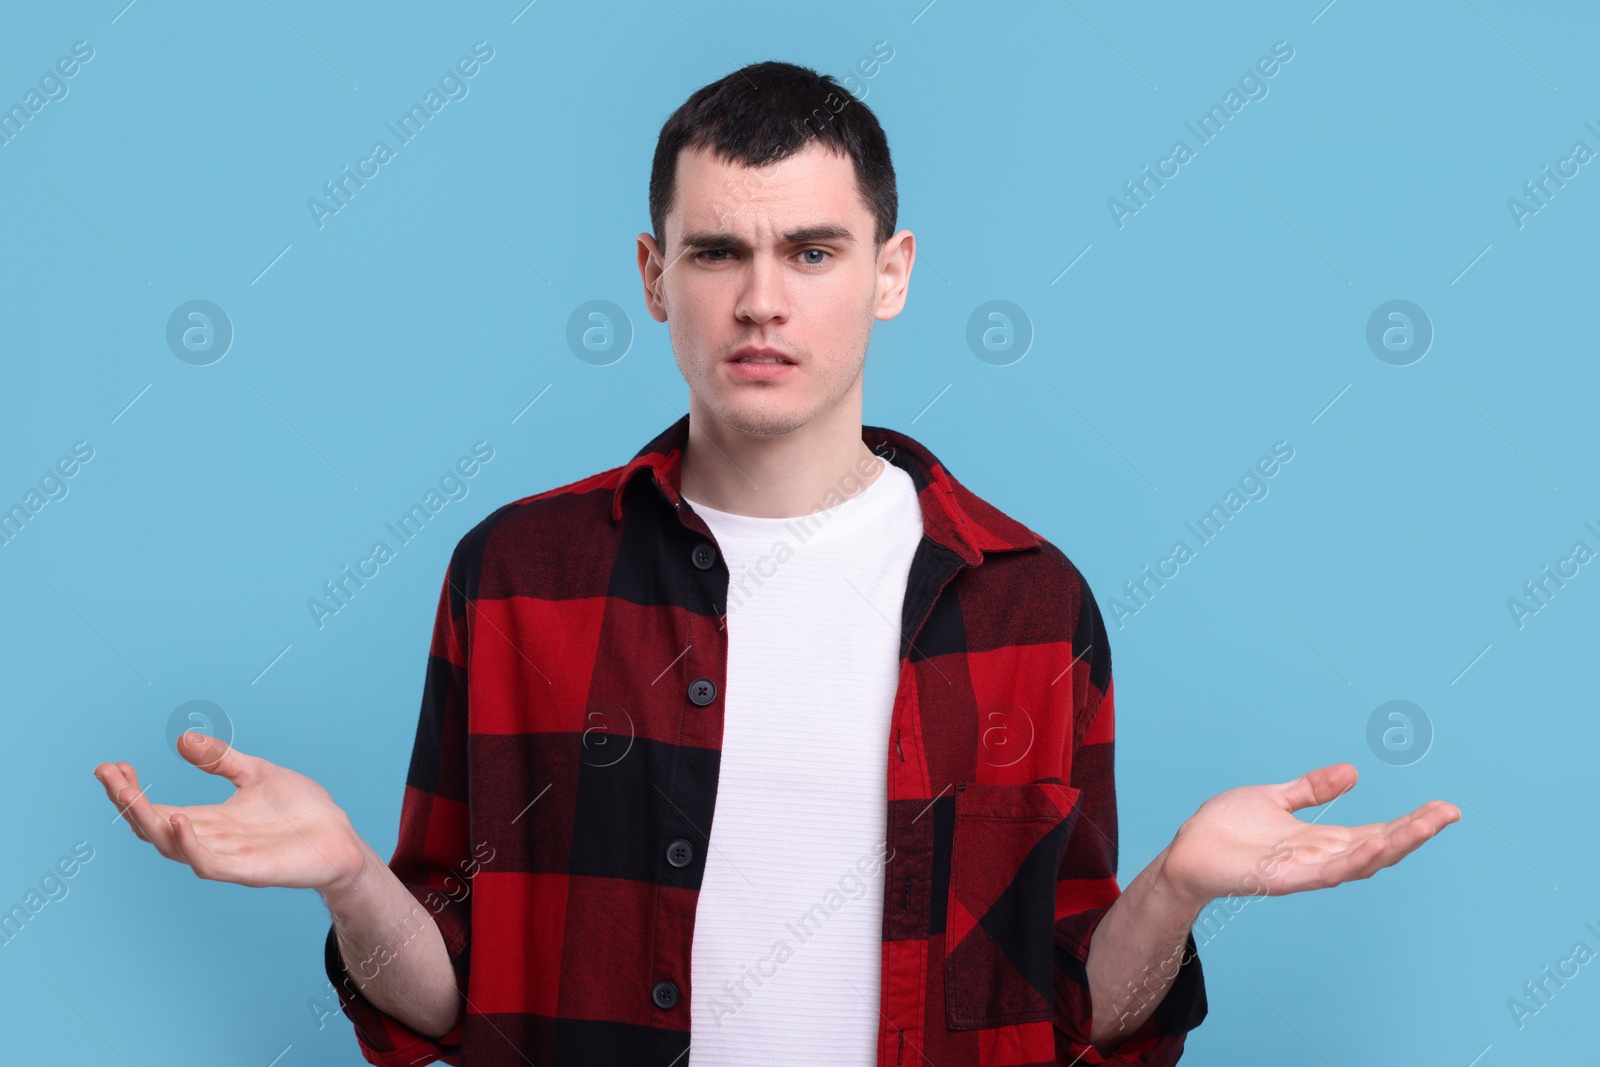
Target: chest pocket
<point>1000,922</point>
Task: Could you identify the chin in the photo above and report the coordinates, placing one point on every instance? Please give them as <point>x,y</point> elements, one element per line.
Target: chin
<point>762,419</point>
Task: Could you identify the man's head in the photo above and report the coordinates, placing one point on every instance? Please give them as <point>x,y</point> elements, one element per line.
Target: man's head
<point>772,198</point>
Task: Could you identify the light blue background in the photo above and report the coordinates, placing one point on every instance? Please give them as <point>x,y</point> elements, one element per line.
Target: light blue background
<point>1226,315</point>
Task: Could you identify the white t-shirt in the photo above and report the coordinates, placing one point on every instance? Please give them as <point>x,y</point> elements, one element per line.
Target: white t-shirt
<point>788,935</point>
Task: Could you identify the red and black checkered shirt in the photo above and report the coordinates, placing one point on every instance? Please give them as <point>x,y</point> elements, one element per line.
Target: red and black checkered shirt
<point>568,747</point>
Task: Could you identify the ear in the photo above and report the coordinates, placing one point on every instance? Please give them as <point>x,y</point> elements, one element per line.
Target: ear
<point>652,265</point>
<point>894,273</point>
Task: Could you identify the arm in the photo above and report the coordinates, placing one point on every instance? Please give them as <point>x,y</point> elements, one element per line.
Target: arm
<point>280,828</point>
<point>1136,952</point>
<point>1129,985</point>
<point>1139,987</point>
<point>392,951</point>
<point>1242,842</point>
<point>397,952</point>
<point>399,932</point>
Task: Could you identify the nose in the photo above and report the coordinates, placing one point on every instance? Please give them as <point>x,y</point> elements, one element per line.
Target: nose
<point>762,298</point>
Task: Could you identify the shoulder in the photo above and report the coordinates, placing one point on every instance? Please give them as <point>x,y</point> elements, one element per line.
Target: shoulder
<point>1066,575</point>
<point>1080,604</point>
<point>525,536</point>
<point>1045,582</point>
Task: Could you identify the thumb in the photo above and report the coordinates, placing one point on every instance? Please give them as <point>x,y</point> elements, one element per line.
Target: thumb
<point>215,756</point>
<point>1318,786</point>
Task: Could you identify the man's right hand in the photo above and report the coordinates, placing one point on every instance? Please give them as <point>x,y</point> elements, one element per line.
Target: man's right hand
<point>279,828</point>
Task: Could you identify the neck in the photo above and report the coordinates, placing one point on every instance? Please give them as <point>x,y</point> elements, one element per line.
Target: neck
<point>818,465</point>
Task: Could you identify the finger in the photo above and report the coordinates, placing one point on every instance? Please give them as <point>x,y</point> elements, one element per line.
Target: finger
<point>118,787</point>
<point>1428,820</point>
<point>215,756</point>
<point>1318,786</point>
<point>128,776</point>
<point>1383,850</point>
<point>149,823</point>
<point>116,774</point>
<point>191,850</point>
<point>128,779</point>
<point>111,779</point>
<point>1397,837</point>
<point>133,826</point>
<point>114,781</point>
<point>1439,814</point>
<point>1359,834</point>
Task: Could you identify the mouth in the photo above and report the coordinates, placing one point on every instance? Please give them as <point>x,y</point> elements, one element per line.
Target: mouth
<point>760,355</point>
<point>760,364</point>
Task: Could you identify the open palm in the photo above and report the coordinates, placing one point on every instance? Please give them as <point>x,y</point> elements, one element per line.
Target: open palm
<point>279,828</point>
<point>1247,841</point>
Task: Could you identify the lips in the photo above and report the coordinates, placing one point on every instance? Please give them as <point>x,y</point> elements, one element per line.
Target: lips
<point>752,364</point>
<point>760,355</point>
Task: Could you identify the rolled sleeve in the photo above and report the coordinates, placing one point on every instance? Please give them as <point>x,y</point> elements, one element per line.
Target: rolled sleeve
<point>1087,885</point>
<point>383,1039</point>
<point>432,858</point>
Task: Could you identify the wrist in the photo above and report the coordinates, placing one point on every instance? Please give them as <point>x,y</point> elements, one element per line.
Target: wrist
<point>1177,897</point>
<point>343,894</point>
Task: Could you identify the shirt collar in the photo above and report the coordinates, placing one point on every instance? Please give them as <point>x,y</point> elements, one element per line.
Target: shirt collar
<point>952,514</point>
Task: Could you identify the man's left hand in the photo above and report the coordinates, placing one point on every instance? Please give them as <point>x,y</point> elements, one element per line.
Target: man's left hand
<point>1247,841</point>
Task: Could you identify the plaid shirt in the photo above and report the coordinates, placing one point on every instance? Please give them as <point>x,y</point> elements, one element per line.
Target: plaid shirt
<point>567,752</point>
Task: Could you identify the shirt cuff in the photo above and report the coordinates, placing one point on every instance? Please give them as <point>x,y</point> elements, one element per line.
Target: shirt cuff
<point>1158,1040</point>
<point>383,1039</point>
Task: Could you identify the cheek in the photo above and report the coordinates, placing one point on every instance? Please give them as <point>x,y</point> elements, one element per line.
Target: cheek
<point>686,351</point>
<point>690,305</point>
<point>851,322</point>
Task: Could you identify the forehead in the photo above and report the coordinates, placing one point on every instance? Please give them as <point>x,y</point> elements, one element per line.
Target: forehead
<point>814,185</point>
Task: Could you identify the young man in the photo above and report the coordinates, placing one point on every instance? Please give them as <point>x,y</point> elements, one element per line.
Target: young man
<point>776,744</point>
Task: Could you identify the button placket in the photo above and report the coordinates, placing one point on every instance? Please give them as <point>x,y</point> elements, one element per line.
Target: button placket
<point>704,556</point>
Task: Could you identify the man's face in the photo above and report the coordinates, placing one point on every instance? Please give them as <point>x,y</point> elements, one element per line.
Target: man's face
<point>779,258</point>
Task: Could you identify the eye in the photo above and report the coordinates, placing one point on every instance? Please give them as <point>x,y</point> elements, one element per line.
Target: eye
<point>817,251</point>
<point>713,252</point>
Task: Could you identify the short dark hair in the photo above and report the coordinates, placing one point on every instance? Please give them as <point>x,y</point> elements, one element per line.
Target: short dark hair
<point>766,112</point>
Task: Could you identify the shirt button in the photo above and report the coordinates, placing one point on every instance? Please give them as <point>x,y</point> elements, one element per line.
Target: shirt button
<point>704,556</point>
<point>665,994</point>
<point>702,691</point>
<point>679,853</point>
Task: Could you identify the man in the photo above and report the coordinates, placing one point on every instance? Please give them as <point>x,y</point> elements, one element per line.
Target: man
<point>776,744</point>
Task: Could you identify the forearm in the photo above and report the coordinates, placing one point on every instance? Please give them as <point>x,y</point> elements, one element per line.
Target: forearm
<point>1135,953</point>
<point>393,950</point>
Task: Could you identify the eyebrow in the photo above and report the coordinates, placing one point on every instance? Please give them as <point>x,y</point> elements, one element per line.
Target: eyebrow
<point>804,235</point>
